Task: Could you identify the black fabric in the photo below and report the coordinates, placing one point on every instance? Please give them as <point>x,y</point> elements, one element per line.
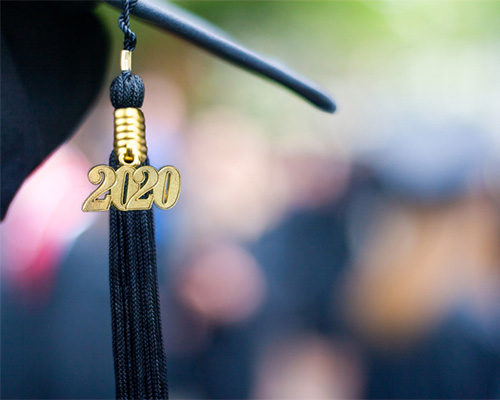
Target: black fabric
<point>140,365</point>
<point>53,58</point>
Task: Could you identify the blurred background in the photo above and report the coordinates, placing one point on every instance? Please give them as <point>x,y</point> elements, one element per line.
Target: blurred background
<point>354,255</point>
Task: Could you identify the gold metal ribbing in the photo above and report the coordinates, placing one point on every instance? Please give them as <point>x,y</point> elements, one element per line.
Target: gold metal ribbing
<point>130,136</point>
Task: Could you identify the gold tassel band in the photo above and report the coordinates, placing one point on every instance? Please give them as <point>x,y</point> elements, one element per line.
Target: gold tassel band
<point>130,136</point>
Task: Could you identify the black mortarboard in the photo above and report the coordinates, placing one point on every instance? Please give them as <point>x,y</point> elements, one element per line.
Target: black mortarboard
<point>47,86</point>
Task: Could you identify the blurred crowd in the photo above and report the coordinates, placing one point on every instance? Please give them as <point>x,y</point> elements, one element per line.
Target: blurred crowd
<point>309,256</point>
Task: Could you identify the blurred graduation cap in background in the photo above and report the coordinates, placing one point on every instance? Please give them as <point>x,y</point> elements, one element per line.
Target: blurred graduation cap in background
<point>434,163</point>
<point>54,57</point>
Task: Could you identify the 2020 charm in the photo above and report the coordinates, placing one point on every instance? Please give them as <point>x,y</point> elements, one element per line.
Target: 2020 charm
<point>130,188</point>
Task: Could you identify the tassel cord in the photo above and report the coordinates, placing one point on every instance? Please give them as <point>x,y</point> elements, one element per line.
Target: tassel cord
<point>137,339</point>
<point>139,358</point>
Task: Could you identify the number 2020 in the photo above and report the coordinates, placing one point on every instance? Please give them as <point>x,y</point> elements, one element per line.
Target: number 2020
<point>130,188</point>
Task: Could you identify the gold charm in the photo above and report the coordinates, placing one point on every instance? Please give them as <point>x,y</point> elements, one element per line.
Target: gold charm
<point>130,188</point>
<point>105,177</point>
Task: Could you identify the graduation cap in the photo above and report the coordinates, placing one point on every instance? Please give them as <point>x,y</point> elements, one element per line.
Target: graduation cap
<point>53,62</point>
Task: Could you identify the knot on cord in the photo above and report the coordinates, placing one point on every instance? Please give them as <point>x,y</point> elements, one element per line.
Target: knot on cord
<point>127,90</point>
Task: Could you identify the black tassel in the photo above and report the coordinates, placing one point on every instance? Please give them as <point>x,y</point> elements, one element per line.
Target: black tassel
<point>139,358</point>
